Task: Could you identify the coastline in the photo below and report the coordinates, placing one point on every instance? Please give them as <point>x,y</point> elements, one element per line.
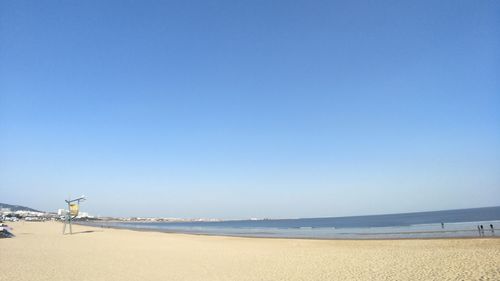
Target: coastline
<point>270,236</point>
<point>40,252</point>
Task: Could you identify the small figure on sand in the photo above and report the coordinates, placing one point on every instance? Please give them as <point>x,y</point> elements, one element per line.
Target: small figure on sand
<point>492,230</point>
<point>442,225</point>
<point>479,230</point>
<point>482,230</point>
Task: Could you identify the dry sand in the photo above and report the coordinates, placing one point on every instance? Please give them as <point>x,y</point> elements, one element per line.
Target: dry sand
<point>40,252</point>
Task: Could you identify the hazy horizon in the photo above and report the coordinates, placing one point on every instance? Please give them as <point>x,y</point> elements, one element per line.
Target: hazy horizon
<point>83,209</point>
<point>228,109</point>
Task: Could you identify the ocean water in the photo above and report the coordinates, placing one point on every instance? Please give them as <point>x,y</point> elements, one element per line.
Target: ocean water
<point>457,223</point>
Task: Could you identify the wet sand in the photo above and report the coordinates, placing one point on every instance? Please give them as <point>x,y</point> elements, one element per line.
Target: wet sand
<point>40,252</point>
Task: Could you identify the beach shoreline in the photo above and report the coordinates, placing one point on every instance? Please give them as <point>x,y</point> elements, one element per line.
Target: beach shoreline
<point>158,230</point>
<point>465,229</point>
<point>40,252</point>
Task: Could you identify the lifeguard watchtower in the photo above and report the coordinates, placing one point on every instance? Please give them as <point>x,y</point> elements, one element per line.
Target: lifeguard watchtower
<point>72,213</point>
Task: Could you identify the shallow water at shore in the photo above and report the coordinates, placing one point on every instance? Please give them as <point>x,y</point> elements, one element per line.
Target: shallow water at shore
<point>457,223</point>
<point>418,231</point>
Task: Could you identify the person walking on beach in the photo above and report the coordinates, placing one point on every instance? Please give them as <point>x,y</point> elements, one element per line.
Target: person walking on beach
<point>492,230</point>
<point>482,230</point>
<point>479,230</point>
<point>442,225</point>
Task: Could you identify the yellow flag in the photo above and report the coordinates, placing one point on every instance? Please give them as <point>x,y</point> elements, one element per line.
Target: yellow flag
<point>73,209</point>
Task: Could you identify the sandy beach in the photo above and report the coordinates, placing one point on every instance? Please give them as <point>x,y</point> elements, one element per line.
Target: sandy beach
<point>40,252</point>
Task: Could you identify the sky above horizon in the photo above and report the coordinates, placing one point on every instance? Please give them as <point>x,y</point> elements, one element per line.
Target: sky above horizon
<point>239,109</point>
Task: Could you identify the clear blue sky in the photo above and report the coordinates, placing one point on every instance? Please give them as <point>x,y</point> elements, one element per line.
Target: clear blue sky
<point>238,109</point>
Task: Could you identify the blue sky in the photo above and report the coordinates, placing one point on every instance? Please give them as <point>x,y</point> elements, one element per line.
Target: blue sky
<point>237,109</point>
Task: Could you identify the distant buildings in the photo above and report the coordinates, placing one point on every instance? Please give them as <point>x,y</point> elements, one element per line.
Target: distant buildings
<point>7,214</point>
<point>82,215</point>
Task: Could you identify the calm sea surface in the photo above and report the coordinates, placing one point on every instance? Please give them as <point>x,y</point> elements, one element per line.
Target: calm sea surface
<point>457,223</point>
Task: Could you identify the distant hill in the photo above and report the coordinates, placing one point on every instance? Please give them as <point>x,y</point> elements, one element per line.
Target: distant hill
<point>17,208</point>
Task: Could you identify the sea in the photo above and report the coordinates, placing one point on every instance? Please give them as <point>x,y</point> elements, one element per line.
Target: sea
<point>435,224</point>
